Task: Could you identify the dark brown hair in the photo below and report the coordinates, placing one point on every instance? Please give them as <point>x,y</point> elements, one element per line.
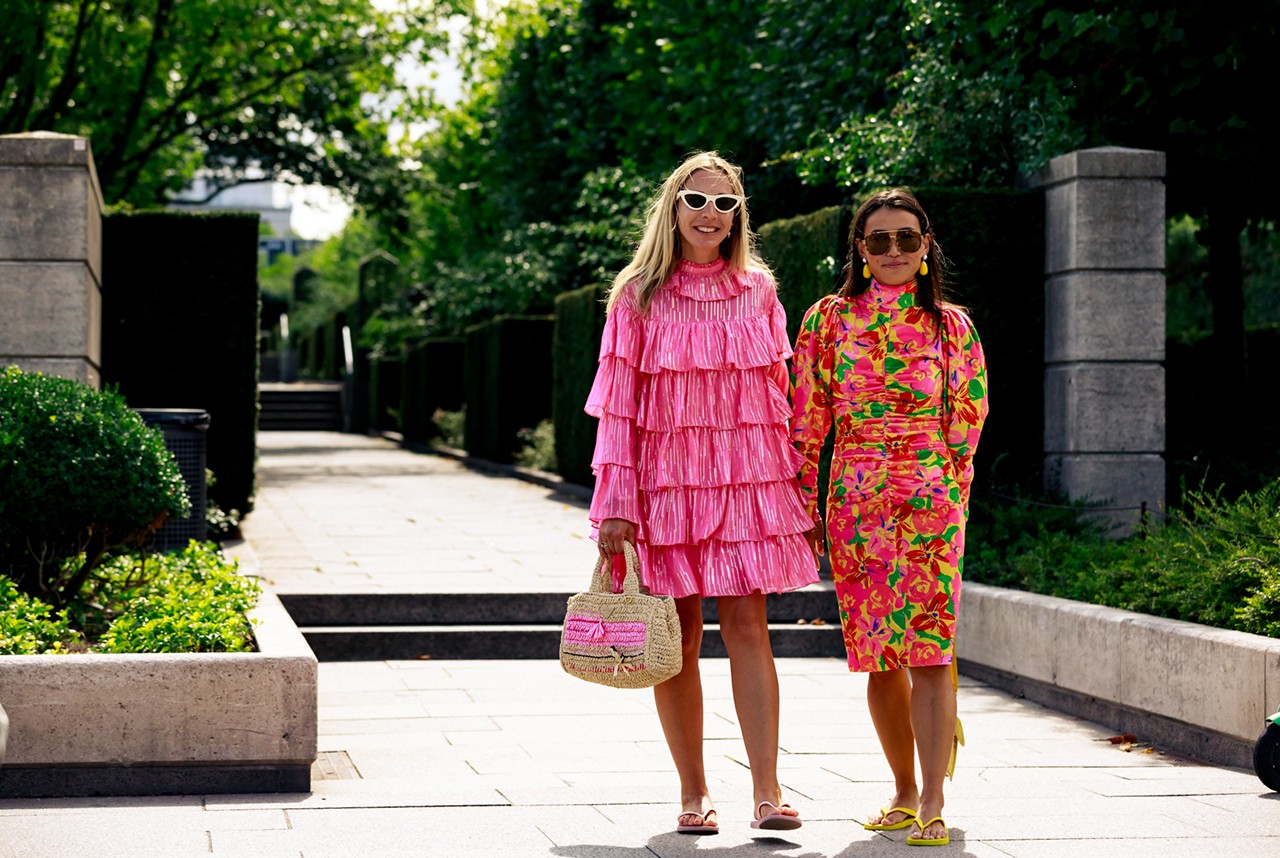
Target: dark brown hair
<point>931,287</point>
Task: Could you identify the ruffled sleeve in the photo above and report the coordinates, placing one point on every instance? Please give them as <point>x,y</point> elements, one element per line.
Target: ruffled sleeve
<point>966,393</point>
<point>613,399</point>
<point>778,373</point>
<point>811,367</point>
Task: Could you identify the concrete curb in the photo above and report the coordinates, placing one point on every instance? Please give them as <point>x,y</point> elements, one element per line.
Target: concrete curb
<point>1197,690</point>
<point>165,723</point>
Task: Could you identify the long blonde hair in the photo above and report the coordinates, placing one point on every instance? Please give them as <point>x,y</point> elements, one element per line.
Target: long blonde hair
<point>658,252</point>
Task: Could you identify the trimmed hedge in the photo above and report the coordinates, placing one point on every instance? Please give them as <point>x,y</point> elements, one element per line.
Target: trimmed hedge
<point>507,383</point>
<point>385,389</point>
<point>806,254</point>
<point>576,348</point>
<point>1215,452</point>
<point>994,241</point>
<point>431,379</point>
<point>180,310</point>
<point>319,350</point>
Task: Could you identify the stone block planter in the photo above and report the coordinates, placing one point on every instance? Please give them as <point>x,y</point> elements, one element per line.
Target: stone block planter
<point>167,723</point>
<point>1181,686</point>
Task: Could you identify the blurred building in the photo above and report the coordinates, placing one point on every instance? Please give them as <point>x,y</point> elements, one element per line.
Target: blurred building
<point>271,201</point>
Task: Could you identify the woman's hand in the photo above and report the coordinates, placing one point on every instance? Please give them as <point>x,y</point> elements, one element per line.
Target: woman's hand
<point>816,537</point>
<point>613,532</point>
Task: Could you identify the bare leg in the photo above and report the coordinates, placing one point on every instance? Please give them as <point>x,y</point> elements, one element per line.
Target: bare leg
<point>933,718</point>
<point>745,629</point>
<point>889,699</point>
<point>679,703</point>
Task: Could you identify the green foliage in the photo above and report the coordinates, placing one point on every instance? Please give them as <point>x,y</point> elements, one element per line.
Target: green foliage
<point>1187,307</point>
<point>1215,562</point>
<point>807,254</point>
<point>1261,252</point>
<point>191,601</point>
<point>451,427</point>
<point>80,473</point>
<point>530,187</point>
<point>993,88</point>
<point>27,625</point>
<point>507,383</point>
<point>525,267</point>
<point>537,446</point>
<point>220,523</point>
<point>957,112</point>
<point>300,91</point>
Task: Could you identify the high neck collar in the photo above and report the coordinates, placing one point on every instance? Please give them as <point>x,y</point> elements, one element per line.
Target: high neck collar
<point>703,269</point>
<point>706,281</point>
<point>881,294</point>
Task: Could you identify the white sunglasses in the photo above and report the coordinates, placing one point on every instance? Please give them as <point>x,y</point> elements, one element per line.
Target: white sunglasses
<point>697,201</point>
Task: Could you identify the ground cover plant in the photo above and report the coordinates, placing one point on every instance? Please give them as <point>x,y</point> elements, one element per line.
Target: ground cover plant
<point>1214,560</point>
<point>192,600</point>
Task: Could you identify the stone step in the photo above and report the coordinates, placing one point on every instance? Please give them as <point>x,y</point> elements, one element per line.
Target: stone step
<point>443,609</point>
<point>378,643</point>
<point>300,407</point>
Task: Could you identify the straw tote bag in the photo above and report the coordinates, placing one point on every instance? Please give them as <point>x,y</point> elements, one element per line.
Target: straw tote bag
<point>624,640</point>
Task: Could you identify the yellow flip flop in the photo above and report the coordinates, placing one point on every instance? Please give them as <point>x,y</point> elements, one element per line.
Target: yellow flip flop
<point>912,840</point>
<point>911,816</point>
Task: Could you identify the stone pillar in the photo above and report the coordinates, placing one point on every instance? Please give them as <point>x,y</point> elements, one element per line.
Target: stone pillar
<point>1104,399</point>
<point>50,256</point>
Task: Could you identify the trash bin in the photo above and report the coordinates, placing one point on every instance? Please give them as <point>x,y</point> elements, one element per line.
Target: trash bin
<point>184,436</point>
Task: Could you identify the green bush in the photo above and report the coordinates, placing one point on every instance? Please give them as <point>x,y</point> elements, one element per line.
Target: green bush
<point>451,427</point>
<point>80,473</point>
<point>1214,561</point>
<point>538,447</point>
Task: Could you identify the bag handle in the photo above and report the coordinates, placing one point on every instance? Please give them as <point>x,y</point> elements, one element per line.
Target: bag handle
<point>602,582</point>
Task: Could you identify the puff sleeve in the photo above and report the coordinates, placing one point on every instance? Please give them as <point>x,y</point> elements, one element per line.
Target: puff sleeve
<point>613,400</point>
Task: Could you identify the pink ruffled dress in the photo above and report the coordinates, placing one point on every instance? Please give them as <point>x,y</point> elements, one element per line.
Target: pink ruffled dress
<point>694,443</point>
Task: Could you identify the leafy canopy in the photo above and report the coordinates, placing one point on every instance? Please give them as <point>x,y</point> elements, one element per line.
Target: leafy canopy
<point>303,90</point>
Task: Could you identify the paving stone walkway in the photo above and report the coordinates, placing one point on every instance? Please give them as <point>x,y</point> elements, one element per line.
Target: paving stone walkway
<point>514,758</point>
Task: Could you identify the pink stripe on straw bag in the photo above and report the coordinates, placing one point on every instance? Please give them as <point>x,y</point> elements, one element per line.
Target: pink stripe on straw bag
<point>624,640</point>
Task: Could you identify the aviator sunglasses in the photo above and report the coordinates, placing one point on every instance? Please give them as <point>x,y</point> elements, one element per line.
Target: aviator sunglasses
<point>908,241</point>
<point>697,201</point>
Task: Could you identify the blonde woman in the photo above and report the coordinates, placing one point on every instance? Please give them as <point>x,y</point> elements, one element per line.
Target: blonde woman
<point>694,463</point>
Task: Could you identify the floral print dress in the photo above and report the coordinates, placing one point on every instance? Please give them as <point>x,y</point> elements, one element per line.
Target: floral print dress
<point>693,444</point>
<point>907,406</point>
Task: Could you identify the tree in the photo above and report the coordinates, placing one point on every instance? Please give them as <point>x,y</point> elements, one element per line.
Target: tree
<point>576,107</point>
<point>994,88</point>
<point>303,91</point>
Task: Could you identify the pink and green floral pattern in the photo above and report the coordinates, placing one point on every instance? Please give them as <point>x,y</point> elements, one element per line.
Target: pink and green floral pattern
<point>907,406</point>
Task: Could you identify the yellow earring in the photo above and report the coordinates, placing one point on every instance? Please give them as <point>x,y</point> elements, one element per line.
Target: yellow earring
<point>866,270</point>
<point>924,265</point>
